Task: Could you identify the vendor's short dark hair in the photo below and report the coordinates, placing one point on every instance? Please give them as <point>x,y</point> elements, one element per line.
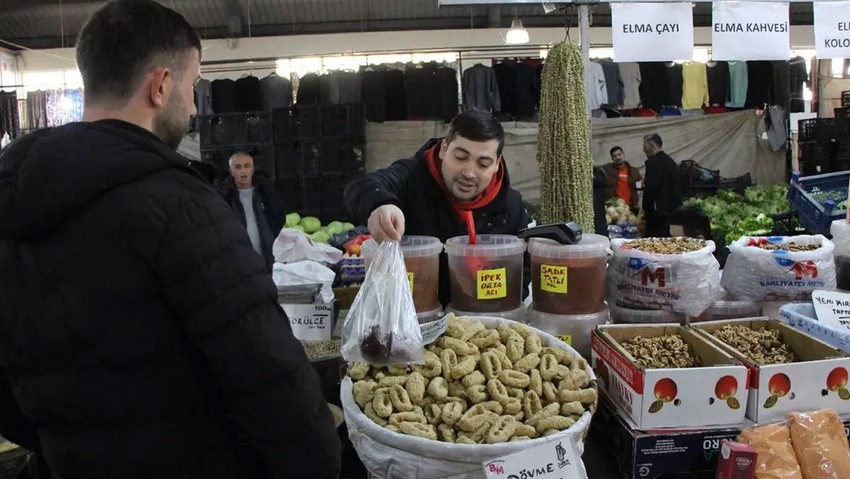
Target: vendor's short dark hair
<point>614,150</point>
<point>123,40</point>
<point>693,221</point>
<point>477,125</point>
<point>655,139</point>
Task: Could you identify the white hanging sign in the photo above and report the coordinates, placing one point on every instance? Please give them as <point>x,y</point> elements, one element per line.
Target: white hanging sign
<point>647,32</point>
<point>555,459</point>
<point>832,29</point>
<point>750,31</point>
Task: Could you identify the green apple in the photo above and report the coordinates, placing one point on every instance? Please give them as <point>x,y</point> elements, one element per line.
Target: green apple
<point>292,219</point>
<point>311,224</point>
<point>347,227</point>
<point>335,228</point>
<point>320,237</point>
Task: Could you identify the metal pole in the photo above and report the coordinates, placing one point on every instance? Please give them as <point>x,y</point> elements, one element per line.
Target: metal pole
<point>584,28</point>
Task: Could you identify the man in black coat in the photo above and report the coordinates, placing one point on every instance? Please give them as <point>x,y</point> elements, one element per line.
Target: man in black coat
<point>140,335</point>
<point>661,194</point>
<point>256,203</point>
<point>452,186</point>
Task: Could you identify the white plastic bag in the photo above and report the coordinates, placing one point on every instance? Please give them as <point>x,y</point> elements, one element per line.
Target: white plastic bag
<point>840,231</point>
<point>758,274</point>
<point>686,283</point>
<point>382,327</point>
<point>305,272</point>
<point>292,246</point>
<point>390,455</point>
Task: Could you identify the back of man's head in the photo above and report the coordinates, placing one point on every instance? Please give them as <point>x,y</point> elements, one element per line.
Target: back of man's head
<point>477,125</point>
<point>655,139</point>
<point>123,40</point>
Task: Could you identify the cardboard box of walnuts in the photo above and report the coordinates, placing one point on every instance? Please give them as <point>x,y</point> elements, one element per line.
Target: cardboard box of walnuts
<point>817,377</point>
<point>671,393</point>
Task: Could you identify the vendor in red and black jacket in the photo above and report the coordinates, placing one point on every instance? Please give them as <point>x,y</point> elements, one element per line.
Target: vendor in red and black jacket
<point>449,187</point>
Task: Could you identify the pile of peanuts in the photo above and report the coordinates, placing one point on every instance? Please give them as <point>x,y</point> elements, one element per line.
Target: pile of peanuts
<point>478,385</point>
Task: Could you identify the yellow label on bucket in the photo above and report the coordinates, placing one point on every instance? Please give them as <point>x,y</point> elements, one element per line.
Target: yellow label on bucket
<point>410,280</point>
<point>567,339</point>
<point>492,283</point>
<point>553,279</point>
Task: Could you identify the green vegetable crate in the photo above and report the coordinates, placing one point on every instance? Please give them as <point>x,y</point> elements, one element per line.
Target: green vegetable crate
<point>819,199</point>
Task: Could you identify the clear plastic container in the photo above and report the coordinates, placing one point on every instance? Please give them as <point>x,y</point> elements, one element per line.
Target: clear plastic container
<point>840,232</point>
<point>422,261</point>
<point>429,316</point>
<point>730,309</point>
<point>573,329</point>
<point>569,279</point>
<point>486,277</point>
<point>518,314</point>
<point>620,315</point>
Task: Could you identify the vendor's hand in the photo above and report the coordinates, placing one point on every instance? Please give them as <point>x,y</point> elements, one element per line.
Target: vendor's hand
<point>386,223</point>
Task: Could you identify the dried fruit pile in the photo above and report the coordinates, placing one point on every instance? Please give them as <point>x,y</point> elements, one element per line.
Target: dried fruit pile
<point>478,385</point>
<point>669,351</point>
<point>792,247</point>
<point>763,346</point>
<point>666,245</point>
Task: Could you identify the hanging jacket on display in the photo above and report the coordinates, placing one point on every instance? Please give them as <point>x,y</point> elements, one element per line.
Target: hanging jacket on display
<point>613,82</point>
<point>396,95</point>
<point>373,93</point>
<point>248,94</point>
<point>695,91</point>
<point>309,89</point>
<point>654,89</point>
<point>276,92</point>
<point>224,99</point>
<point>738,84</point>
<point>481,89</point>
<point>759,84</point>
<point>597,89</point>
<point>203,97</point>
<point>445,80</point>
<point>717,74</point>
<point>674,85</point>
<point>630,74</point>
<point>420,84</point>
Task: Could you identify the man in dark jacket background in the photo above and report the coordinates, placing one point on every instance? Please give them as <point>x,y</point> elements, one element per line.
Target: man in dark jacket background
<point>139,333</point>
<point>661,194</point>
<point>452,186</point>
<point>256,203</point>
<point>621,179</point>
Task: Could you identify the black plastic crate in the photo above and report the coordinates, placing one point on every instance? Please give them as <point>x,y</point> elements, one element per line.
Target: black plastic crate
<point>310,193</point>
<point>223,130</point>
<point>288,190</point>
<point>285,160</point>
<point>309,121</point>
<point>284,124</point>
<point>816,129</point>
<point>332,156</point>
<point>333,120</point>
<point>355,126</point>
<point>354,159</point>
<point>264,160</point>
<point>259,127</point>
<point>332,191</point>
<point>308,158</point>
<point>845,98</point>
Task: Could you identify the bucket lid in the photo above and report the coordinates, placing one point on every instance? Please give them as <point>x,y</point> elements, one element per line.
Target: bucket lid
<point>733,306</point>
<point>515,314</point>
<point>596,318</point>
<point>626,315</point>
<point>590,246</point>
<point>488,245</point>
<point>411,247</point>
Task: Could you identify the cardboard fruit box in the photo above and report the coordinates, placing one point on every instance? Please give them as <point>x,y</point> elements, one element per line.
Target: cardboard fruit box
<point>713,394</point>
<point>818,380</point>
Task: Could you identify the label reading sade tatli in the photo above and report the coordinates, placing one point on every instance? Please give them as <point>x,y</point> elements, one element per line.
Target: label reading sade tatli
<point>553,279</point>
<point>492,284</point>
<point>566,338</point>
<point>410,280</point>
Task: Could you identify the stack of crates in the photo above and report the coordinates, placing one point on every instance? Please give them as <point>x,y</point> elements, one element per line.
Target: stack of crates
<point>820,143</point>
<point>318,150</point>
<point>225,134</point>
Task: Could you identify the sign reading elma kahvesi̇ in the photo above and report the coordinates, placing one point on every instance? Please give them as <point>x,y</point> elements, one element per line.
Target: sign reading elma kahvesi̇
<point>646,32</point>
<point>750,31</point>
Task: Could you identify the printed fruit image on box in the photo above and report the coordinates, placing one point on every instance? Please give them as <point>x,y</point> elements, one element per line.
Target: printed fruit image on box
<point>725,390</point>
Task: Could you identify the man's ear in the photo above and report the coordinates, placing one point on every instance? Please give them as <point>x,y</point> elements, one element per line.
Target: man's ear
<point>443,147</point>
<point>160,83</point>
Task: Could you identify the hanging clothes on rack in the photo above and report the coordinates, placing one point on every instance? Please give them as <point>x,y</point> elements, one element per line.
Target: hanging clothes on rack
<point>717,74</point>
<point>481,89</point>
<point>674,86</point>
<point>798,76</point>
<point>613,82</point>
<point>781,79</point>
<point>420,84</point>
<point>349,87</point>
<point>224,99</point>
<point>630,74</point>
<point>738,85</point>
<point>597,89</point>
<point>10,122</point>
<point>203,97</point>
<point>309,89</point>
<point>446,86</point>
<point>396,95</point>
<point>248,94</point>
<point>36,110</point>
<point>373,93</point>
<point>653,85</point>
<point>695,91</point>
<point>275,92</point>
<point>760,84</point>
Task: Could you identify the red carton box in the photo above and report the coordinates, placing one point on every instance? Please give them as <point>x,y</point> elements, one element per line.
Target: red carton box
<point>736,461</point>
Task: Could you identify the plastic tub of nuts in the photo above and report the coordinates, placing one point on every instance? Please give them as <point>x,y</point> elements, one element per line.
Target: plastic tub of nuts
<point>728,308</point>
<point>403,445</point>
<point>573,329</point>
<point>677,274</point>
